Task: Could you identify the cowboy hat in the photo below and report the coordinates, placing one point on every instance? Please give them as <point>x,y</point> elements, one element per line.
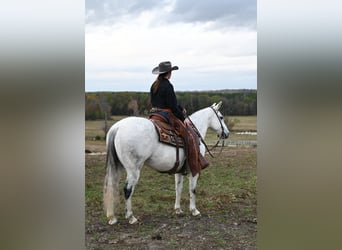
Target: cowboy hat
<point>163,68</point>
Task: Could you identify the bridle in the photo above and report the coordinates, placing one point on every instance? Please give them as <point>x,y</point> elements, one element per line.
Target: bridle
<point>220,120</point>
<point>202,140</point>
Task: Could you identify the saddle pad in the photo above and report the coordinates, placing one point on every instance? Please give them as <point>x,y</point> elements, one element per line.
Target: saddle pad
<point>166,133</point>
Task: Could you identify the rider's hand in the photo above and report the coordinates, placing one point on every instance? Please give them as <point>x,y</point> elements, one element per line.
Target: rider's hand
<point>187,122</point>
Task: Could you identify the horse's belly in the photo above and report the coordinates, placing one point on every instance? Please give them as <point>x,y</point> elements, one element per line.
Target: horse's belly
<point>164,158</point>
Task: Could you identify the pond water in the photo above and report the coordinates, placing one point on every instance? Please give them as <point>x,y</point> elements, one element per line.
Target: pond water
<point>247,133</point>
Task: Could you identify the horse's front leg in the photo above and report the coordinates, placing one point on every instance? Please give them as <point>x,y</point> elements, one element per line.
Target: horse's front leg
<point>179,188</point>
<point>192,191</point>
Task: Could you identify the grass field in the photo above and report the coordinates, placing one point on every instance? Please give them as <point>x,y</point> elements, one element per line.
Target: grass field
<point>226,197</point>
<point>244,123</point>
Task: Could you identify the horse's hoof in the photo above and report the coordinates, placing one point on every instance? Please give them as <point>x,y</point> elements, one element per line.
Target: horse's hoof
<point>112,221</point>
<point>132,220</point>
<point>195,212</point>
<point>179,211</point>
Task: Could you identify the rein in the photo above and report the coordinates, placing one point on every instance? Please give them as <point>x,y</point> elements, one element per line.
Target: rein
<point>202,140</point>
<point>222,132</point>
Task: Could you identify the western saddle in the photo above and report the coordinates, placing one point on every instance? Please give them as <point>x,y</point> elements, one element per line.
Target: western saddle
<point>173,132</point>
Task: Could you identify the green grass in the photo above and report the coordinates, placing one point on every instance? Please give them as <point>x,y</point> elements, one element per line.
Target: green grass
<point>229,179</point>
<point>244,123</point>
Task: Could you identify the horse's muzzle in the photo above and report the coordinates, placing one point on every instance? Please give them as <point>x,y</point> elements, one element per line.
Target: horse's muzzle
<point>223,135</point>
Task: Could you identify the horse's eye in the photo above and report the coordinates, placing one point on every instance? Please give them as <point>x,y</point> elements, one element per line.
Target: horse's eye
<point>221,117</point>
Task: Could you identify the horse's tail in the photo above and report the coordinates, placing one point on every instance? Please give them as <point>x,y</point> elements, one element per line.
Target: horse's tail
<point>113,173</point>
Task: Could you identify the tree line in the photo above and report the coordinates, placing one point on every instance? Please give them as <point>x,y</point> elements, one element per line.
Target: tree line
<point>100,105</point>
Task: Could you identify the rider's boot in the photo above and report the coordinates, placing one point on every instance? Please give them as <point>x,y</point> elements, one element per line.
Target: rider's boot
<point>202,161</point>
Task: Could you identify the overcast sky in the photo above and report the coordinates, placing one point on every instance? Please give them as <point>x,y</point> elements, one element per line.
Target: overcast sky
<point>213,42</point>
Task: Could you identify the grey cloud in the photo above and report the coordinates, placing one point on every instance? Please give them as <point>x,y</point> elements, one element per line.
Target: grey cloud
<point>107,11</point>
<point>222,12</point>
<point>227,12</point>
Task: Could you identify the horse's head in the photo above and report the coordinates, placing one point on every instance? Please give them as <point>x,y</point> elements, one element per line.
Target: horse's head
<point>217,121</point>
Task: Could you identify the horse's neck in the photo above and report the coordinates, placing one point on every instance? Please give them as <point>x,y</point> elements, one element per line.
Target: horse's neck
<point>201,121</point>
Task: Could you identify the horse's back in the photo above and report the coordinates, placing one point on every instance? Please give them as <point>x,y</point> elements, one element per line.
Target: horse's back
<point>134,124</point>
<point>134,134</point>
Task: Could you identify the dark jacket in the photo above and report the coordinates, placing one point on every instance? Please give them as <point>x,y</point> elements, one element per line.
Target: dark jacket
<point>165,98</point>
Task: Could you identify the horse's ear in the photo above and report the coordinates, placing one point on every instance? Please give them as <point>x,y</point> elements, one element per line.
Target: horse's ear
<point>217,106</point>
<point>214,104</point>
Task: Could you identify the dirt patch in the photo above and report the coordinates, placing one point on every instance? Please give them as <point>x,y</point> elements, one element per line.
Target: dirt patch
<point>209,231</point>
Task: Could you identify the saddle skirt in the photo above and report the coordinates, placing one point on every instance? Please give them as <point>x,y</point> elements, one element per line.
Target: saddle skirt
<point>167,134</point>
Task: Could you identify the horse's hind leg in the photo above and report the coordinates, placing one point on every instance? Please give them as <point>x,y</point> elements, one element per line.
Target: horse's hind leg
<point>192,191</point>
<point>179,188</point>
<point>131,181</point>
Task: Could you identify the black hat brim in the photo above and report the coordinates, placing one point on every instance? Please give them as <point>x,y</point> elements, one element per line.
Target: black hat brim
<point>157,72</point>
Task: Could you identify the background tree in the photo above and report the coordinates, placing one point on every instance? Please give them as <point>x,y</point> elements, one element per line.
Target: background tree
<point>105,108</point>
<point>133,105</point>
<point>235,102</point>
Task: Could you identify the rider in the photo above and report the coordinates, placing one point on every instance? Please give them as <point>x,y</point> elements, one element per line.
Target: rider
<point>164,100</point>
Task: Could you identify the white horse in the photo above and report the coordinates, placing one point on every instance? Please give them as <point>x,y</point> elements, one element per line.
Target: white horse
<point>133,142</point>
